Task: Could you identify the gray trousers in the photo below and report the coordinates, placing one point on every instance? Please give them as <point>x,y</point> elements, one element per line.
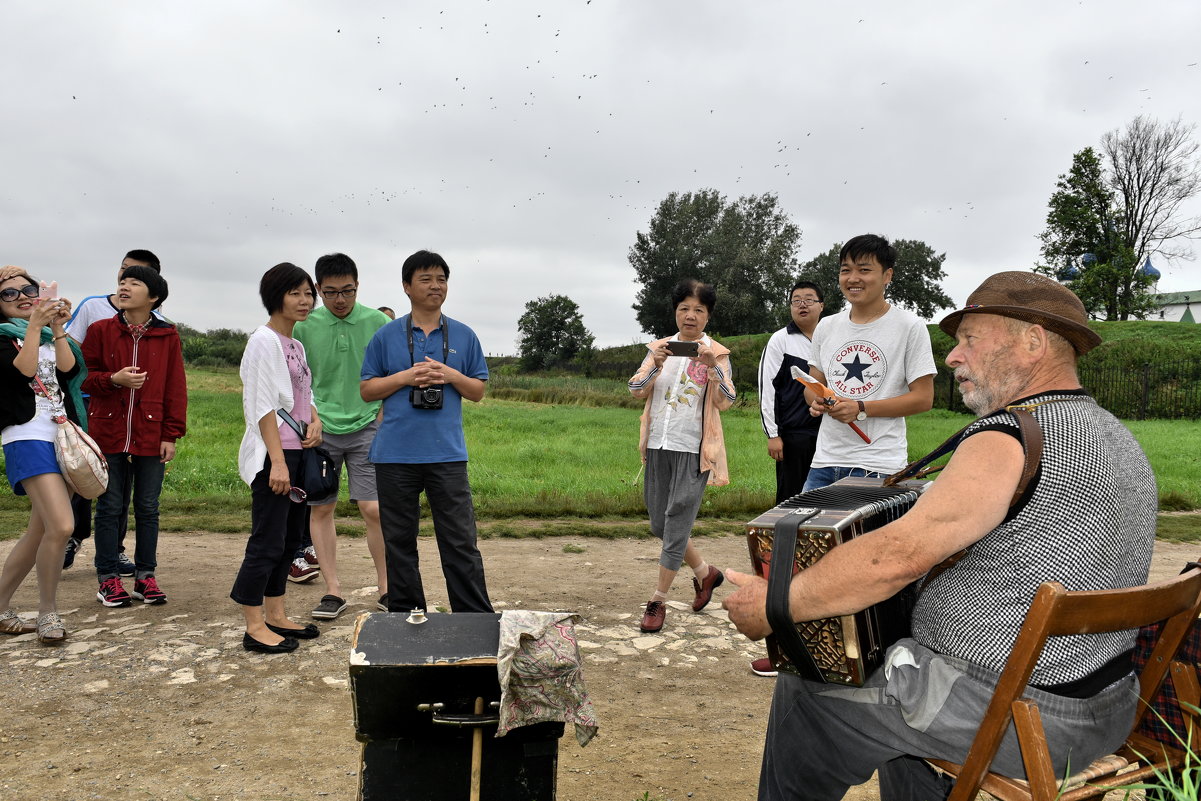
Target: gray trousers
<point>823,739</point>
<point>673,489</point>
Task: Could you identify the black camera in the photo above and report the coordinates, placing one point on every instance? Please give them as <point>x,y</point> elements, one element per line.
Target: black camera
<point>426,397</point>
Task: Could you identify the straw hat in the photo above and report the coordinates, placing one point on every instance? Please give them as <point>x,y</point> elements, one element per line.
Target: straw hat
<point>1033,298</point>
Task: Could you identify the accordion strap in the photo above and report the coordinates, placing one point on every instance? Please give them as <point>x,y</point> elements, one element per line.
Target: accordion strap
<point>779,582</point>
<point>1030,434</point>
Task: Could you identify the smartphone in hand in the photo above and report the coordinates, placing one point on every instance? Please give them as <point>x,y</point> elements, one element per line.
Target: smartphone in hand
<point>47,291</point>
<point>681,348</point>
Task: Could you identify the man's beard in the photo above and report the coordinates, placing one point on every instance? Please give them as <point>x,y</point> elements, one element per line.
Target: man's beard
<point>992,386</point>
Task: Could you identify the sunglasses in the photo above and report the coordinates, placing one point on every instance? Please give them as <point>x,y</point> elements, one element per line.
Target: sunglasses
<point>12,293</point>
<point>297,495</point>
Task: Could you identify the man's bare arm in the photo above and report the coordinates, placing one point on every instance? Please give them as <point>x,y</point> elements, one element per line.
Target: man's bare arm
<point>969,499</point>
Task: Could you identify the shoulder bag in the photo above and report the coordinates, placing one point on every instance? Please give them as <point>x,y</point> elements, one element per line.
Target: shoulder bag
<point>317,476</point>
<point>83,465</point>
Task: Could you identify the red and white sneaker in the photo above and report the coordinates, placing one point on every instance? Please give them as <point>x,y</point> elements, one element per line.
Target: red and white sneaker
<point>310,556</point>
<point>763,667</point>
<point>147,591</point>
<point>301,571</point>
<point>112,593</point>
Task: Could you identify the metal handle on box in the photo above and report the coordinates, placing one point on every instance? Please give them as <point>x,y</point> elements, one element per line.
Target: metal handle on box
<point>461,720</point>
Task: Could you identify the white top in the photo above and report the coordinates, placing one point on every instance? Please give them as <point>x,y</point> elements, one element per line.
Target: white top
<point>266,386</point>
<point>40,426</point>
<point>874,361</point>
<point>677,404</point>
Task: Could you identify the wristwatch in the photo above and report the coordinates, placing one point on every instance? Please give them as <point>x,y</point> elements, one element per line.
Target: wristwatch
<point>862,411</point>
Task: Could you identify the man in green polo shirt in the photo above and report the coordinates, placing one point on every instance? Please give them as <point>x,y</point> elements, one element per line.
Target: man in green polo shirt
<point>334,338</point>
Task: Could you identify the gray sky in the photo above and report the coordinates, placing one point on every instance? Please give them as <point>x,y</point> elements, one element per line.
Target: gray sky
<point>529,141</point>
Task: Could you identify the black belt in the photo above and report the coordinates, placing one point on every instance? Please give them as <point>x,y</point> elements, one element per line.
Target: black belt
<point>1094,682</point>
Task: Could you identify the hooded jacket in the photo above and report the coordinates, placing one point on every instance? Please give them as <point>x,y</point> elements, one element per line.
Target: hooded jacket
<point>135,421</point>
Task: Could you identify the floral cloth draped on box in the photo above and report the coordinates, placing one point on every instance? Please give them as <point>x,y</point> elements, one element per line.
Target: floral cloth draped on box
<point>541,678</point>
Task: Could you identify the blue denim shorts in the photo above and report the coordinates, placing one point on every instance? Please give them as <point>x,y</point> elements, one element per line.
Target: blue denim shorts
<point>26,458</point>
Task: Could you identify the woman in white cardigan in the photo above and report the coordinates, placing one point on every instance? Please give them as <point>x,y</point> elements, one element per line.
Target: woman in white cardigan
<point>275,375</point>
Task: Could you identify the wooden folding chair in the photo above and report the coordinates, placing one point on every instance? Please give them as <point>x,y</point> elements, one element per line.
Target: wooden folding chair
<point>1055,611</point>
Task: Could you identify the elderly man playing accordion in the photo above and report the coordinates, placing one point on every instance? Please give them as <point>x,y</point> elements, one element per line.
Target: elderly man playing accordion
<point>1086,519</point>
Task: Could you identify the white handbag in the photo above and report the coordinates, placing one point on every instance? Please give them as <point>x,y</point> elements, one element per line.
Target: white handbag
<point>83,465</point>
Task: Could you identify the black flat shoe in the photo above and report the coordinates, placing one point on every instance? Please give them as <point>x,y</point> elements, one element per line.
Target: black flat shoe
<point>251,644</point>
<point>309,632</point>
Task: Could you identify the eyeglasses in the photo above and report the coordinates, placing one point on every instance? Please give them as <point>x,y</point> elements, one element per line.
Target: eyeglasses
<point>799,302</point>
<point>297,495</point>
<point>12,293</point>
<point>330,294</point>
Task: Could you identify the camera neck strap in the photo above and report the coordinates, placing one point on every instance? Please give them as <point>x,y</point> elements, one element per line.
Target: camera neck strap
<point>445,340</point>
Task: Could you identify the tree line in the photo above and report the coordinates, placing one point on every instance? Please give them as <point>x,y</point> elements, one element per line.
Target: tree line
<point>1107,216</point>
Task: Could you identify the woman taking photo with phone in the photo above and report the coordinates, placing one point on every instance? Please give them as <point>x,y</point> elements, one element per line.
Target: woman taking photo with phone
<point>40,373</point>
<point>275,375</point>
<point>686,380</point>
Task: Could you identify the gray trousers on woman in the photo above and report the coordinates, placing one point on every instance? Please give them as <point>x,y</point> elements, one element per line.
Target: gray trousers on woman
<point>823,739</point>
<point>673,490</point>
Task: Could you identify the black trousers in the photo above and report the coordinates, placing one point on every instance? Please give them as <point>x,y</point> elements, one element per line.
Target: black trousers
<point>449,495</point>
<point>794,467</point>
<point>276,524</point>
<point>81,508</point>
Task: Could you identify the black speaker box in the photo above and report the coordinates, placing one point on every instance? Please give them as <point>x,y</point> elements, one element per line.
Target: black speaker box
<point>415,687</point>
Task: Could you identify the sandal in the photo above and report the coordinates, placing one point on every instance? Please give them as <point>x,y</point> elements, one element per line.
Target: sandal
<point>51,630</point>
<point>12,623</point>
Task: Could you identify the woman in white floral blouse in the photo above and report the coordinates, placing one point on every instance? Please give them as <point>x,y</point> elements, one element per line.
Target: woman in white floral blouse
<point>687,381</point>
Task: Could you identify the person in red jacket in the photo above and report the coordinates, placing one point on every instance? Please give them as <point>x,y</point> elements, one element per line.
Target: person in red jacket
<point>138,409</point>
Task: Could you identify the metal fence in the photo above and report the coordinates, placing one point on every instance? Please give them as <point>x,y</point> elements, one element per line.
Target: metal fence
<point>1156,390</point>
<point>1162,390</point>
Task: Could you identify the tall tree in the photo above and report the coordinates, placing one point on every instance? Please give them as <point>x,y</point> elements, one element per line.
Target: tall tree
<point>1081,217</point>
<point>552,333</point>
<point>915,279</point>
<point>1082,244</point>
<point>1112,211</point>
<point>1154,170</point>
<point>746,249</point>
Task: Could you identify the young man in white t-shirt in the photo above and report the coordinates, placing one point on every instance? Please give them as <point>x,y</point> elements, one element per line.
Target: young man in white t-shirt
<point>877,360</point>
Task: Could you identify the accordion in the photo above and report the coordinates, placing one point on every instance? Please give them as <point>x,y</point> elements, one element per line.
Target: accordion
<point>838,650</point>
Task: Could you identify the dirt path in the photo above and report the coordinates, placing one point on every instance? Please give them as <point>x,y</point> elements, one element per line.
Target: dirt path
<point>162,702</point>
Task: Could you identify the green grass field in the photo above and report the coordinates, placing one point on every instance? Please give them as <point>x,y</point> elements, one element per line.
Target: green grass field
<point>572,463</point>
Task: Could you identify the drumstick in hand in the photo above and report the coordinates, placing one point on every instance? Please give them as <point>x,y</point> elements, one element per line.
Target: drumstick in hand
<point>827,396</point>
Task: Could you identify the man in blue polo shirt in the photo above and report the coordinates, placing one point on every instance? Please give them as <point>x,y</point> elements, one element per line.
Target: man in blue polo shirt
<point>422,366</point>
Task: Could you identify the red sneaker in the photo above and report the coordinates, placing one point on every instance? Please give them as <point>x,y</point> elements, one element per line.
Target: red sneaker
<point>147,591</point>
<point>764,667</point>
<point>301,571</point>
<point>112,593</point>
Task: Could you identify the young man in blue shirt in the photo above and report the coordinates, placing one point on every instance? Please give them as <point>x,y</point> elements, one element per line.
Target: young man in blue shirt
<point>421,366</point>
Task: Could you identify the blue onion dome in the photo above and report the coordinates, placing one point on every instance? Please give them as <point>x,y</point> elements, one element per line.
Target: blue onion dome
<point>1148,269</point>
<point>1088,259</point>
<point>1069,273</point>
